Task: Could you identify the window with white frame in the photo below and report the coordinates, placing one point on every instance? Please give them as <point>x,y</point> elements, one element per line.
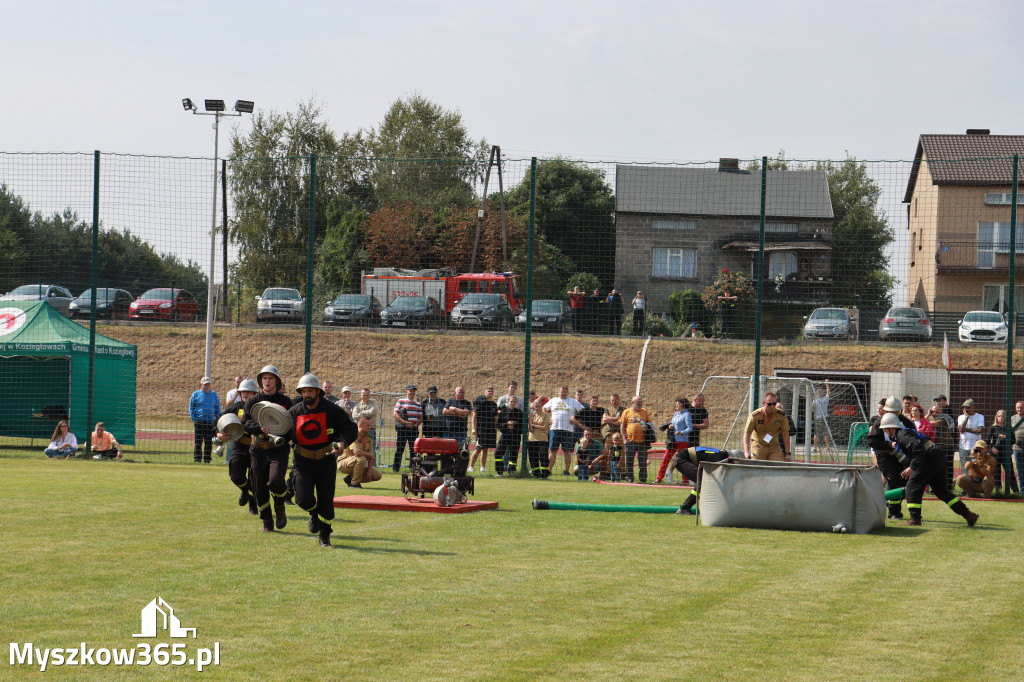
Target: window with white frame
<point>1003,198</point>
<point>782,263</point>
<point>784,228</point>
<point>677,263</point>
<point>994,238</point>
<point>666,224</point>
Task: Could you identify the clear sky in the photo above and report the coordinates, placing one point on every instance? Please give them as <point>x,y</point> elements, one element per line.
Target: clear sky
<point>666,81</point>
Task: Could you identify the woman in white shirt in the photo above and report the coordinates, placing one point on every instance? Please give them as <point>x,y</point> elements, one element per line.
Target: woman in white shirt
<point>63,443</point>
<point>639,310</point>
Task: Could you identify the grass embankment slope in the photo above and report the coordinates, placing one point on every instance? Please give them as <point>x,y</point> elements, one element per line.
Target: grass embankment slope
<point>171,360</point>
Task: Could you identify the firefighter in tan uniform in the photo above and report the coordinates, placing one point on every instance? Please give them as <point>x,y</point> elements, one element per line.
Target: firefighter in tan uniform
<point>770,430</point>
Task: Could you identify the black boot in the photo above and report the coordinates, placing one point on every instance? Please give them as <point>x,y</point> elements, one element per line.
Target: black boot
<point>895,511</point>
<point>281,518</point>
<point>325,535</point>
<point>243,498</point>
<point>268,520</point>
<point>314,523</point>
<point>253,511</point>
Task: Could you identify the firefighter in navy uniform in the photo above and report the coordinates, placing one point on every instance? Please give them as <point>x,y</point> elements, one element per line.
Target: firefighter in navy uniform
<point>240,461</point>
<point>269,462</point>
<point>687,462</point>
<point>322,429</point>
<point>925,466</point>
<point>886,459</point>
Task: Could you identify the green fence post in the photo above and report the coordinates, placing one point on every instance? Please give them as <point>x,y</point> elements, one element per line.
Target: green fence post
<point>308,307</point>
<point>756,389</point>
<point>93,276</point>
<point>1011,317</point>
<point>524,458</point>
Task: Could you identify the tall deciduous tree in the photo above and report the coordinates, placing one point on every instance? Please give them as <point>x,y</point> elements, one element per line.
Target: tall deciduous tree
<point>575,212</point>
<point>424,155</point>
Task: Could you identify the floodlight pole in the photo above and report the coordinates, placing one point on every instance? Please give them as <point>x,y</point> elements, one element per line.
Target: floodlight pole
<point>213,220</point>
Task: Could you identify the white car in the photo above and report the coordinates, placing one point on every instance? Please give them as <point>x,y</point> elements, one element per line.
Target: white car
<point>278,303</point>
<point>983,326</point>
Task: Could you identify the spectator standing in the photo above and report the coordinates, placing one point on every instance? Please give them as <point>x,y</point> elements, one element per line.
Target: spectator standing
<point>923,426</point>
<point>63,443</point>
<point>970,425</point>
<point>943,426</point>
<point>204,409</point>
<point>510,426</point>
<point>908,404</point>
<point>727,309</point>
<point>1000,449</point>
<point>576,300</point>
<point>613,311</point>
<point>537,439</point>
<point>944,409</point>
<point>677,437</point>
<point>433,417</point>
<point>329,395</point>
<point>346,401</point>
<point>510,392</point>
<point>456,412</point>
<point>103,444</point>
<point>639,311</point>
<point>1017,429</point>
<point>562,410</point>
<point>771,429</point>
<point>699,417</point>
<point>631,427</point>
<point>819,412</point>
<point>485,423</point>
<point>367,408</point>
<point>408,415</point>
<point>232,395</point>
<point>595,314</point>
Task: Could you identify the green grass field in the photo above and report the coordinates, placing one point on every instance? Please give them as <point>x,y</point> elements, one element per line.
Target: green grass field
<point>503,595</point>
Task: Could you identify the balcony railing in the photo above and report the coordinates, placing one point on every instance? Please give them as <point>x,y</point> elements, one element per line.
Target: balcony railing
<point>809,289</point>
<point>965,256</point>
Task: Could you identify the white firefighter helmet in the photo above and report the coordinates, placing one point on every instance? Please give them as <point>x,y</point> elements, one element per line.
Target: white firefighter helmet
<point>270,369</point>
<point>890,421</point>
<point>248,385</point>
<point>310,381</point>
<point>892,404</point>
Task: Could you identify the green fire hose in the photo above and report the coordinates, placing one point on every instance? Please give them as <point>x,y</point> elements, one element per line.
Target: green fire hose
<point>540,504</point>
<point>894,495</point>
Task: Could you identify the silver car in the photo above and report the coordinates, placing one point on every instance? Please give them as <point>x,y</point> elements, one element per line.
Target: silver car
<point>280,304</point>
<point>830,323</point>
<point>58,297</point>
<point>905,323</point>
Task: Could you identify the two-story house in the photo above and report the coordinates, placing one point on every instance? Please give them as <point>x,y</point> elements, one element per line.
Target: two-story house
<point>958,216</point>
<point>677,227</point>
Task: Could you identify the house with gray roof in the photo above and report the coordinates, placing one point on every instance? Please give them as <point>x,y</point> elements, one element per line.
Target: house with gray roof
<point>678,226</point>
<point>958,201</point>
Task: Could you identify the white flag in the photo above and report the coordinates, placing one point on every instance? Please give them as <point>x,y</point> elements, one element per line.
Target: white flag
<point>946,360</point>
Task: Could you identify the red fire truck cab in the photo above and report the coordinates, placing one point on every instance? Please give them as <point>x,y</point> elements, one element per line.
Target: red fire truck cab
<point>448,288</point>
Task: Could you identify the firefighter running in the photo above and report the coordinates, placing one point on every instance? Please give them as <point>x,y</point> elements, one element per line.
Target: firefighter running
<point>321,430</point>
<point>269,462</point>
<point>887,459</point>
<point>925,466</point>
<point>687,462</point>
<point>240,461</point>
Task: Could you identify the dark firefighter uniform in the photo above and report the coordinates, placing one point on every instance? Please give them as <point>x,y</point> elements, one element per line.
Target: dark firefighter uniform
<point>240,462</point>
<point>507,452</point>
<point>928,465</point>
<point>888,461</point>
<point>269,463</point>
<point>316,431</point>
<point>687,462</point>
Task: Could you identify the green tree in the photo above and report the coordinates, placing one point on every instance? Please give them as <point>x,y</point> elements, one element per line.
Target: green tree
<point>575,212</point>
<point>424,155</point>
<point>860,236</point>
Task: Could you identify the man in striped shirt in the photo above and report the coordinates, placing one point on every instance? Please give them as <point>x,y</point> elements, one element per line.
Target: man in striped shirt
<point>408,415</point>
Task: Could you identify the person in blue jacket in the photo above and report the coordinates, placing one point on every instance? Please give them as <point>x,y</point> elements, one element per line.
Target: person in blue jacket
<point>204,410</point>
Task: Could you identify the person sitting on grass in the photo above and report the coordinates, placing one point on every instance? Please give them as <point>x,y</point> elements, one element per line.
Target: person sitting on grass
<point>63,443</point>
<point>590,456</point>
<point>104,445</point>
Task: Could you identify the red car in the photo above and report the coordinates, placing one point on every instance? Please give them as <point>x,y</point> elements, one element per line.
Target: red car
<point>164,304</point>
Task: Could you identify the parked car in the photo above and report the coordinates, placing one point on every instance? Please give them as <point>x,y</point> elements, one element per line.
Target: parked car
<point>59,297</point>
<point>278,303</point>
<point>484,311</point>
<point>547,314</point>
<point>982,326</point>
<point>110,303</point>
<point>412,311</point>
<point>834,323</point>
<point>165,304</point>
<point>352,309</point>
<point>906,323</point>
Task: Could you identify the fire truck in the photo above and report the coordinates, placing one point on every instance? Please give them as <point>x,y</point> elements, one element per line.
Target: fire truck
<point>442,284</point>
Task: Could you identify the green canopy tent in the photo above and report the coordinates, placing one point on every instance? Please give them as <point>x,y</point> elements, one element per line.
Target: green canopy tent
<point>44,370</point>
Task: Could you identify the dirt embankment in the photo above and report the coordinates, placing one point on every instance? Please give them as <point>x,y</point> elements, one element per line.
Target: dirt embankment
<point>171,361</point>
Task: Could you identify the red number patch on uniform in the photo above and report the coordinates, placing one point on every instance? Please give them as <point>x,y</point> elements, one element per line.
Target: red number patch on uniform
<point>311,429</point>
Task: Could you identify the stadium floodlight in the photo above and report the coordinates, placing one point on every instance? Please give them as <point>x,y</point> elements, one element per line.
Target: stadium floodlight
<point>215,108</point>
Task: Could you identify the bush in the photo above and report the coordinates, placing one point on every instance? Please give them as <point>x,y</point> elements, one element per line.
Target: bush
<point>586,281</point>
<point>654,325</point>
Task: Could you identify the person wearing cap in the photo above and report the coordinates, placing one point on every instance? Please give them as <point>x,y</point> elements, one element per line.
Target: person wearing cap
<point>408,415</point>
<point>881,450</point>
<point>944,410</point>
<point>238,458</point>
<point>204,410</point>
<point>923,463</point>
<point>320,431</point>
<point>770,430</point>
<point>971,426</point>
<point>269,460</point>
<point>978,480</point>
<point>346,400</point>
<point>433,417</point>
